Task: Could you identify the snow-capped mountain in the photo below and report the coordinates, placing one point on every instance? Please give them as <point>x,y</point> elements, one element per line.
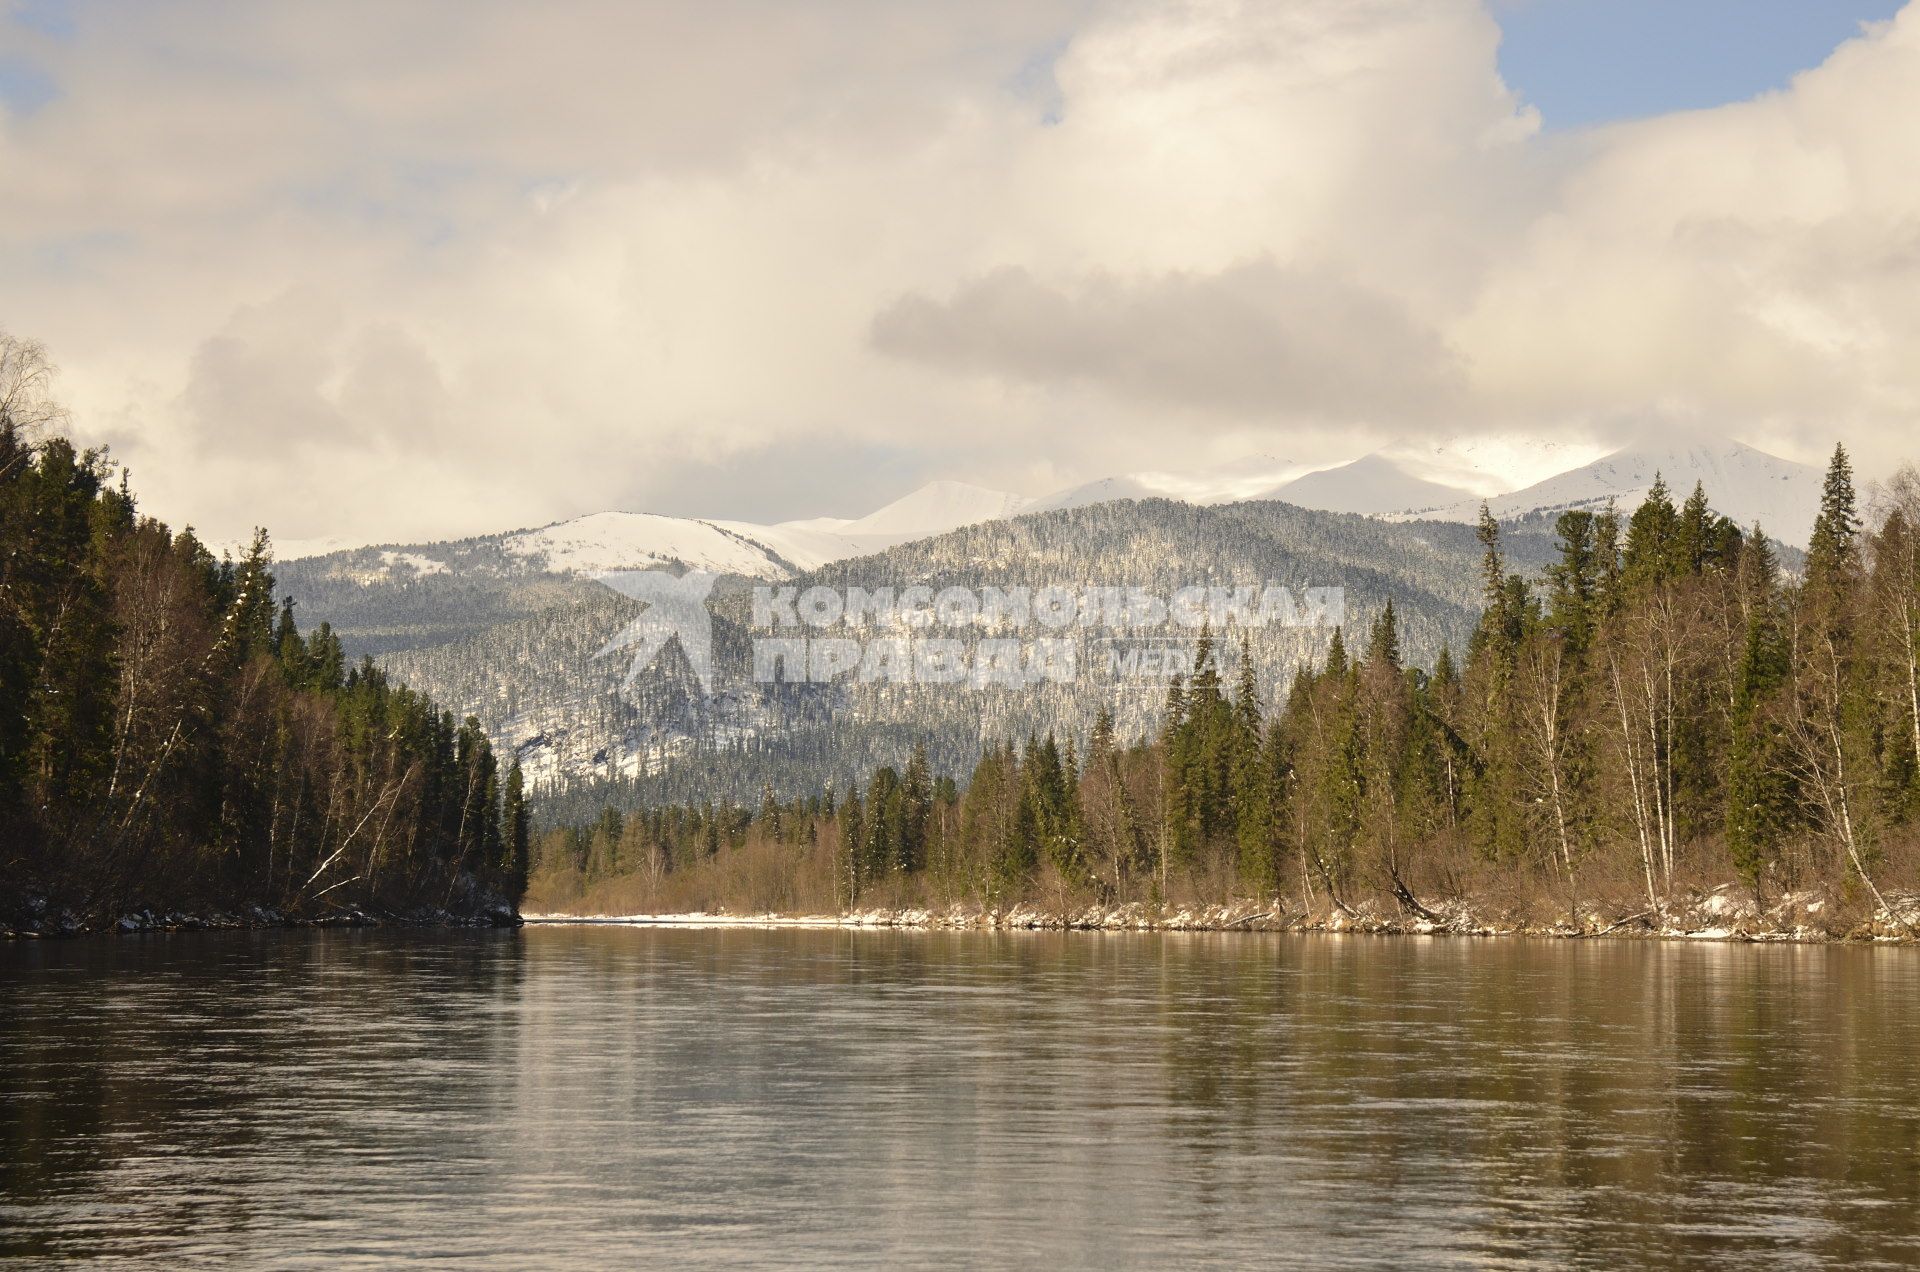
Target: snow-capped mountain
<point>1405,477</point>
<point>935,508</point>
<point>1443,482</point>
<point>1493,464</point>
<point>637,541</point>
<point>1743,483</point>
<point>533,678</point>
<point>603,541</point>
<point>1373,485</point>
<point>506,626</point>
<point>1230,483</point>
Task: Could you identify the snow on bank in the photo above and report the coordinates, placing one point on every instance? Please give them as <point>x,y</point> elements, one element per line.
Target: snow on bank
<point>1713,916</point>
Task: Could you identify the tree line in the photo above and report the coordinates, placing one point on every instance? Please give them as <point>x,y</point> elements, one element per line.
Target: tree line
<point>1663,708</point>
<point>170,739</point>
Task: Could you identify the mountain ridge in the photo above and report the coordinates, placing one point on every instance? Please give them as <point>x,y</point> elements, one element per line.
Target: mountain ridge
<point>1744,483</point>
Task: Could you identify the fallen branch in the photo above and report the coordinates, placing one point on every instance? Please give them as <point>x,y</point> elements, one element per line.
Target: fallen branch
<point>1620,923</point>
<point>1405,896</point>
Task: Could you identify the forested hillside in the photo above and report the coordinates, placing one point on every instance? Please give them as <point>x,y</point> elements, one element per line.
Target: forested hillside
<point>538,688</point>
<point>170,741</point>
<point>1665,718</point>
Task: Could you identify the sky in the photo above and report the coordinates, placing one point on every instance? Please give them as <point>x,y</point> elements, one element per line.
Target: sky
<point>390,273</point>
<point>1587,62</point>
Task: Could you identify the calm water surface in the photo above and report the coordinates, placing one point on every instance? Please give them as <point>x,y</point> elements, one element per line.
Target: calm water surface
<point>587,1097</point>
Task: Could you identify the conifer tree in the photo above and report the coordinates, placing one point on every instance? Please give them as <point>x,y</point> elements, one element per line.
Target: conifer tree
<point>515,831</point>
<point>1833,550</point>
<point>1653,540</point>
<point>1759,795</point>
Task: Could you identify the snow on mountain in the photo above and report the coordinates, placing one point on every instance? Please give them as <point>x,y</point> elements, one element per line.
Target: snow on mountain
<point>638,541</point>
<point>1491,465</point>
<point>1228,483</point>
<point>935,508</point>
<point>1105,490</point>
<point>803,548</point>
<point>828,525</point>
<point>1443,481</point>
<point>283,549</point>
<point>1743,483</point>
<point>1373,485</point>
<point>606,541</point>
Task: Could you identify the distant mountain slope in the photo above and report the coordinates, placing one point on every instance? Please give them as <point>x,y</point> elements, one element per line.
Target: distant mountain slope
<point>604,541</point>
<point>1103,490</point>
<point>535,683</point>
<point>1745,484</point>
<point>1244,479</point>
<point>1492,464</point>
<point>936,507</point>
<point>402,595</point>
<point>1371,485</point>
<point>638,540</point>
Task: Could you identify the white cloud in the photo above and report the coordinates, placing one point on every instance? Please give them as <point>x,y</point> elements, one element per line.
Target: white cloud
<point>445,268</point>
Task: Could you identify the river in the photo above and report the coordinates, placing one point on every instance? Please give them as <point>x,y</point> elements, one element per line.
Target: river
<point>586,1097</point>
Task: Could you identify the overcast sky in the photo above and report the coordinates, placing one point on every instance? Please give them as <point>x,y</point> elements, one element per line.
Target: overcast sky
<point>400,271</point>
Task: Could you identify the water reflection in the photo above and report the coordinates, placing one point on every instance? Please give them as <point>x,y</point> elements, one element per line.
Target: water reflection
<point>586,1095</point>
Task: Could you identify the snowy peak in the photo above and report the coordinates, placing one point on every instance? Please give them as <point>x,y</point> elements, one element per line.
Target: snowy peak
<point>1373,485</point>
<point>935,508</point>
<point>1105,490</point>
<point>1228,483</point>
<point>1492,464</point>
<point>1743,483</point>
<point>606,541</point>
<point>1444,481</point>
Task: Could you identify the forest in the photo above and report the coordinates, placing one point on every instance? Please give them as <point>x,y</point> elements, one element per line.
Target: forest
<point>171,744</point>
<point>1664,715</point>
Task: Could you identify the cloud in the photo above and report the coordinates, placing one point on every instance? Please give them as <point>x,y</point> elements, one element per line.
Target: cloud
<point>1252,340</point>
<point>403,272</point>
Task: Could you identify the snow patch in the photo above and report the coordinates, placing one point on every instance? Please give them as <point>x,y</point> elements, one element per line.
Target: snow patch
<point>420,565</point>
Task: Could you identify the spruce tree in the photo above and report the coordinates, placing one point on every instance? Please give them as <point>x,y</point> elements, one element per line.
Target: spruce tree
<point>1758,783</point>
<point>1574,580</point>
<point>1833,551</point>
<point>1383,643</point>
<point>917,811</point>
<point>1696,533</point>
<point>515,832</point>
<point>1653,540</point>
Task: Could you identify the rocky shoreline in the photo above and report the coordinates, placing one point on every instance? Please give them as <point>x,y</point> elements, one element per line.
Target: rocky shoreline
<point>1718,915</point>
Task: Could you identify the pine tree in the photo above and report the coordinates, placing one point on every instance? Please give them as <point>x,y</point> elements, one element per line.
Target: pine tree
<point>1574,580</point>
<point>1833,551</point>
<point>1758,786</point>
<point>1252,785</point>
<point>1696,533</point>
<point>1336,663</point>
<point>917,807</point>
<point>1653,540</point>
<point>515,831</point>
<point>1383,643</point>
<point>1493,567</point>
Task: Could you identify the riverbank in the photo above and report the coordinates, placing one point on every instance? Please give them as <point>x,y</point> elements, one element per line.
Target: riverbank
<point>1718,915</point>
<point>45,922</point>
